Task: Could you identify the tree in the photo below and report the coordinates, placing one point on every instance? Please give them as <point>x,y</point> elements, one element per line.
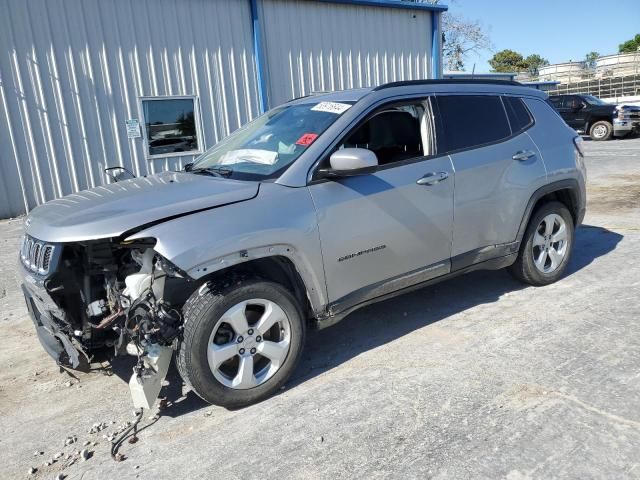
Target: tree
<point>590,60</point>
<point>534,62</point>
<point>460,37</point>
<point>630,46</point>
<point>507,61</point>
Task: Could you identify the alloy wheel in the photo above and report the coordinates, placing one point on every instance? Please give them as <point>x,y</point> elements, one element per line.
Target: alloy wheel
<point>550,243</point>
<point>249,343</point>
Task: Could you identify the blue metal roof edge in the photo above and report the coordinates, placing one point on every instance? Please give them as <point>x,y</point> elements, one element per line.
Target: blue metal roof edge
<point>392,4</point>
<point>263,95</point>
<point>436,38</point>
<point>436,9</point>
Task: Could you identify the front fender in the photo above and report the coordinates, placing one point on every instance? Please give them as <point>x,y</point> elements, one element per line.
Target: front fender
<point>280,221</point>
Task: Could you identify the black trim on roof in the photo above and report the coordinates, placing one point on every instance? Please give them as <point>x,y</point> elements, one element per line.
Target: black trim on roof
<point>457,81</point>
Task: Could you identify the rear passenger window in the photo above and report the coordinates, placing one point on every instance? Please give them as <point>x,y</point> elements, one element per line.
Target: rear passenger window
<point>468,121</point>
<point>519,116</point>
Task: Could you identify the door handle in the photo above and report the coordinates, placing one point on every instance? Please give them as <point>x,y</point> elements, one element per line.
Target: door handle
<point>433,178</point>
<point>523,155</point>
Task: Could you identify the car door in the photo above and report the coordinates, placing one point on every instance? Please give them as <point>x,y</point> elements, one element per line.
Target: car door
<point>497,169</point>
<point>391,228</point>
<point>574,112</point>
<point>559,102</point>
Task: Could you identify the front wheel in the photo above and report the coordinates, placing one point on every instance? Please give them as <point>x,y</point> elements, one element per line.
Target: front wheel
<point>546,247</point>
<point>601,130</point>
<point>240,343</point>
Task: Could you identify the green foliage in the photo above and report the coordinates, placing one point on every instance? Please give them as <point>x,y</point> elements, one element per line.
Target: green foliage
<point>630,46</point>
<point>534,62</point>
<point>510,61</point>
<point>590,59</point>
<point>507,61</point>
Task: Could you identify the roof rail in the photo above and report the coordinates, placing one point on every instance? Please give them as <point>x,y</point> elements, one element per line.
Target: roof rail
<point>456,81</point>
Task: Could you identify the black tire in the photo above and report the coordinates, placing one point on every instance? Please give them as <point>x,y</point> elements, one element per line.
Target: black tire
<point>524,268</point>
<point>599,125</point>
<point>201,314</point>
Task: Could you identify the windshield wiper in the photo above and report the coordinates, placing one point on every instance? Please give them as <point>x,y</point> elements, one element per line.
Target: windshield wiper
<point>213,171</point>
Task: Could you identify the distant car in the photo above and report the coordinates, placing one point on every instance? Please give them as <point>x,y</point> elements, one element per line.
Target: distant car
<point>321,206</point>
<point>600,120</point>
<point>626,120</point>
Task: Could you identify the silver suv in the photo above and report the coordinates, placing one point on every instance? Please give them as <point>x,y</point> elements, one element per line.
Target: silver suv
<point>320,206</point>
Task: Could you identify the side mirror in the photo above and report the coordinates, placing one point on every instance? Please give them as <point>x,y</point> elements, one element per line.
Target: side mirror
<point>578,107</point>
<point>349,162</point>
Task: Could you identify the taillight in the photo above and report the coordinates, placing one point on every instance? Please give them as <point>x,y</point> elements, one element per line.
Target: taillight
<point>579,144</point>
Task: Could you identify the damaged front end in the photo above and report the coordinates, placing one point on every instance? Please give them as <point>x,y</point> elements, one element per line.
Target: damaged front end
<point>105,295</point>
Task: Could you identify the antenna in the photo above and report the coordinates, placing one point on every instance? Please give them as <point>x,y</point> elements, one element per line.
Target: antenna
<point>473,70</point>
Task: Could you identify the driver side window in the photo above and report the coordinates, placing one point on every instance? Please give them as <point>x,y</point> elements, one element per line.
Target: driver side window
<point>573,102</point>
<point>394,133</point>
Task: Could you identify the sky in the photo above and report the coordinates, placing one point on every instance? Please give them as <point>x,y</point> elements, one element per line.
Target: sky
<point>559,30</point>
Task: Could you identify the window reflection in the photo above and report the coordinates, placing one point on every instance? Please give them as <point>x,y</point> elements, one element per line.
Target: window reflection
<point>170,125</point>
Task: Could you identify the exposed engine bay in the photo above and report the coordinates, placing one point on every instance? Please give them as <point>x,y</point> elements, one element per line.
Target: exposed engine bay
<point>110,296</point>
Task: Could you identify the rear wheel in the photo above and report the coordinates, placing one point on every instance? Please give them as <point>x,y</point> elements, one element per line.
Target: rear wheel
<point>241,343</point>
<point>546,246</point>
<point>601,130</point>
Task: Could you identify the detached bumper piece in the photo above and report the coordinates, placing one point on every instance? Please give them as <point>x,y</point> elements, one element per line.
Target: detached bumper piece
<point>56,343</point>
<point>146,381</point>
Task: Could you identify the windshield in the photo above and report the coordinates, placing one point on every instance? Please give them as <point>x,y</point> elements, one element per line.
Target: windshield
<point>265,147</point>
<point>595,100</point>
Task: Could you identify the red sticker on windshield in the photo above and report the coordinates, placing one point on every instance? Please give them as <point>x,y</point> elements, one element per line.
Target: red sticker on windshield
<point>307,139</point>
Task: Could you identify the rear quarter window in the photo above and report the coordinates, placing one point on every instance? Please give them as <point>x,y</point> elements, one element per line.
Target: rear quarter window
<point>519,116</point>
<point>469,121</point>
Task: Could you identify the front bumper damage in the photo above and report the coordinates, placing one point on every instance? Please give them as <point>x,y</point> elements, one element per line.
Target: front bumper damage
<point>47,318</point>
<point>74,314</point>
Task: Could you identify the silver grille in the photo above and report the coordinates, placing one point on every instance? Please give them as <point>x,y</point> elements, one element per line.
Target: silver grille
<point>36,255</point>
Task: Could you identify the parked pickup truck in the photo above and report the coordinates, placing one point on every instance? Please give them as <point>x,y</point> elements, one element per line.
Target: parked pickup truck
<point>600,120</point>
<point>318,207</point>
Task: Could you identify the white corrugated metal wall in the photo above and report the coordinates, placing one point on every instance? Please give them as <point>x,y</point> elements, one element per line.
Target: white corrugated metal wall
<point>317,46</point>
<point>72,72</point>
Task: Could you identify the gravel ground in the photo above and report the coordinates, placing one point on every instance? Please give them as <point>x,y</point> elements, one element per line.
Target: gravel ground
<point>479,377</point>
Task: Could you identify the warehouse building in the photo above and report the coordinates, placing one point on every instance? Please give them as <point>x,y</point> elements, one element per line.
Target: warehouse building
<point>149,84</point>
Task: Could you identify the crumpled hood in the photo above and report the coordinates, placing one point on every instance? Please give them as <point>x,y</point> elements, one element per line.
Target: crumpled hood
<point>111,210</point>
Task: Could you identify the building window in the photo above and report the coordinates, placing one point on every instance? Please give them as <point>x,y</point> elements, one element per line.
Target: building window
<point>172,126</point>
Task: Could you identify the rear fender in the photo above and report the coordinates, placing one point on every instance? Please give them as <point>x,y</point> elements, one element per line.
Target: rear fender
<point>569,184</point>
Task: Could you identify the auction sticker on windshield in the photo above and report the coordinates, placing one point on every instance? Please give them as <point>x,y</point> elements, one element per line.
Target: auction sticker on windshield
<point>307,139</point>
<point>331,107</point>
